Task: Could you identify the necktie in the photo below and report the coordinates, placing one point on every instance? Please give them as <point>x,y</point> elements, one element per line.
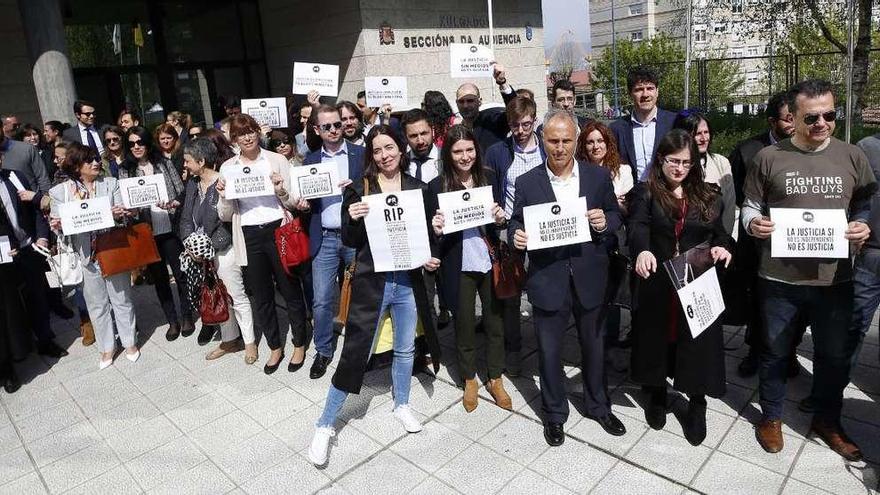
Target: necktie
<point>419,161</point>
<point>92,144</point>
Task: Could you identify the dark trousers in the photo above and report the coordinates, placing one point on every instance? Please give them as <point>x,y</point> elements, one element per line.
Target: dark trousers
<point>264,273</point>
<point>169,247</point>
<point>510,313</point>
<point>550,327</point>
<point>471,284</point>
<point>32,269</point>
<point>828,311</point>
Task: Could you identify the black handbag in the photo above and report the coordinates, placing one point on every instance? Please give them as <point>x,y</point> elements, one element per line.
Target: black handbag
<point>620,280</point>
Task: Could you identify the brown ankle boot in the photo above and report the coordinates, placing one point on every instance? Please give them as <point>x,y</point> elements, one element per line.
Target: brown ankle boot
<point>87,332</point>
<point>496,390</point>
<point>470,395</point>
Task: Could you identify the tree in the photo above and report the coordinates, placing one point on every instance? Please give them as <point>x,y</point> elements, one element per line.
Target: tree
<point>665,55</point>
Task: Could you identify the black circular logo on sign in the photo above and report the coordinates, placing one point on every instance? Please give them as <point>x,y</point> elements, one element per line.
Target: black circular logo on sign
<point>263,104</point>
<point>313,171</point>
<point>466,196</point>
<point>556,210</point>
<point>690,311</point>
<point>246,170</point>
<point>473,49</point>
<point>83,206</point>
<point>391,200</point>
<point>141,182</point>
<point>316,69</point>
<point>384,82</point>
<point>808,216</point>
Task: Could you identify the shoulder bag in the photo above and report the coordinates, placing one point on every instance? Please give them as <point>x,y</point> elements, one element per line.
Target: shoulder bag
<point>292,242</point>
<point>508,270</point>
<point>214,299</point>
<point>125,248</point>
<point>345,289</point>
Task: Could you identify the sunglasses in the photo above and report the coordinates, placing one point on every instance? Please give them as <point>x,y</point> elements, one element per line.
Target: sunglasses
<point>138,142</point>
<point>112,139</point>
<point>327,127</point>
<point>812,118</point>
<point>279,142</point>
<point>87,114</point>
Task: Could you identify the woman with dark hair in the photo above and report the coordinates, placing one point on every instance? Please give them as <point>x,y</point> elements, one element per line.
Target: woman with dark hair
<point>467,266</point>
<point>254,222</point>
<point>143,158</point>
<point>284,145</point>
<point>30,134</point>
<point>52,131</point>
<point>114,150</point>
<point>440,114</point>
<point>199,226</point>
<point>673,212</point>
<point>108,298</point>
<point>716,168</point>
<point>403,294</point>
<point>224,149</point>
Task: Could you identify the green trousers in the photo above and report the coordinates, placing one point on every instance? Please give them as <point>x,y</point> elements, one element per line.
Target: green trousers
<point>471,284</point>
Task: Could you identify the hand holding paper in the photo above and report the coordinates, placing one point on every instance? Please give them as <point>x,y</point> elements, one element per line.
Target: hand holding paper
<point>720,254</point>
<point>520,239</point>
<point>438,222</point>
<point>857,233</point>
<point>761,227</point>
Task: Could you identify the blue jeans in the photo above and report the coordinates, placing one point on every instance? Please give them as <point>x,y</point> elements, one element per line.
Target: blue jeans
<point>400,301</point>
<point>866,299</point>
<point>325,268</point>
<point>829,313</point>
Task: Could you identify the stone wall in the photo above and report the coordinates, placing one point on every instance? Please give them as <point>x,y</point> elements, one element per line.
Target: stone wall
<point>17,93</point>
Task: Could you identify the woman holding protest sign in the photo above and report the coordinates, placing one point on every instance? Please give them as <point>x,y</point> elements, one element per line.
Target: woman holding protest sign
<point>401,293</point>
<point>143,159</point>
<point>676,227</point>
<point>466,270</point>
<point>109,299</point>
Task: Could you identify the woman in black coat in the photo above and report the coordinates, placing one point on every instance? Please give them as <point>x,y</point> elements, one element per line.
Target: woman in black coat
<point>674,211</point>
<point>403,294</point>
<point>466,269</point>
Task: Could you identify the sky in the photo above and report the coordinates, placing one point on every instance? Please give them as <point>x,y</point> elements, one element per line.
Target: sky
<point>563,15</point>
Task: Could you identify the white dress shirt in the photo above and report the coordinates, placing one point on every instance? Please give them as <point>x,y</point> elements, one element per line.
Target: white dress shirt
<point>261,209</point>
<point>331,214</point>
<point>83,134</point>
<point>430,169</point>
<point>565,189</point>
<point>644,135</point>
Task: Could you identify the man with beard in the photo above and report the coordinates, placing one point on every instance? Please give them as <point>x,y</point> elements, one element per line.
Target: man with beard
<point>637,134</point>
<point>352,122</point>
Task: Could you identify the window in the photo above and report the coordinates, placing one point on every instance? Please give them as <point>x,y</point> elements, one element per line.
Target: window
<point>700,36</point>
<point>736,53</point>
<point>635,36</point>
<point>752,51</point>
<point>636,9</point>
<point>736,6</point>
<point>752,77</point>
<point>720,28</point>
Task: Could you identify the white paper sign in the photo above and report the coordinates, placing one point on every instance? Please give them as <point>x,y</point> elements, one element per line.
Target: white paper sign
<point>5,248</point>
<point>267,111</point>
<point>701,301</point>
<point>86,215</point>
<point>315,181</point>
<point>397,230</point>
<point>465,209</point>
<point>322,78</point>
<point>382,90</point>
<point>470,61</point>
<point>805,233</point>
<point>556,224</point>
<point>138,192</point>
<point>248,181</point>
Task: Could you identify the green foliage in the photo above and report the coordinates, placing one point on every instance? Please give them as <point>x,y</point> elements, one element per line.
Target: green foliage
<point>665,55</point>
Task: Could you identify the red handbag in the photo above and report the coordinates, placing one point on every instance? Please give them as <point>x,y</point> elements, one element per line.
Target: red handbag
<point>292,242</point>
<point>508,270</point>
<point>214,300</point>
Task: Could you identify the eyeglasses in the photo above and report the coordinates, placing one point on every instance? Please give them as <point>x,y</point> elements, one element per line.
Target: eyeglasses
<point>250,136</point>
<point>812,118</point>
<point>526,126</point>
<point>112,139</point>
<point>138,142</point>
<point>327,127</point>
<point>685,164</point>
<point>467,100</point>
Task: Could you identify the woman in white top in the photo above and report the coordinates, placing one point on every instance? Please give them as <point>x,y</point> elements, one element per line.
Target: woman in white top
<point>716,168</point>
<point>254,221</point>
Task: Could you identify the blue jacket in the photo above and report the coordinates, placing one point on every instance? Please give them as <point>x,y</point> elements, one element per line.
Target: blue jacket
<point>29,218</point>
<point>499,157</point>
<point>355,173</point>
<point>585,264</point>
<point>622,129</point>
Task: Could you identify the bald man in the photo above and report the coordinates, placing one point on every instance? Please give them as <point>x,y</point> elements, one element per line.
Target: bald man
<point>570,280</point>
<point>489,125</point>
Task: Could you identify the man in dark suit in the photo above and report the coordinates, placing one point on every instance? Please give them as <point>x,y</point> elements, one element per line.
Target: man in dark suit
<point>745,274</point>
<point>562,98</point>
<point>637,134</point>
<point>29,228</point>
<point>490,124</point>
<point>325,241</point>
<point>85,132</point>
<point>569,280</point>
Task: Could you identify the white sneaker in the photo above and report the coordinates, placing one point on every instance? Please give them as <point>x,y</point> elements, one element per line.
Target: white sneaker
<point>405,415</point>
<point>320,445</point>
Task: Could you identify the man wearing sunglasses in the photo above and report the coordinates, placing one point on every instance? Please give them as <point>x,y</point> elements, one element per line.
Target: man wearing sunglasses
<point>812,170</point>
<point>490,124</point>
<point>85,132</point>
<point>325,238</point>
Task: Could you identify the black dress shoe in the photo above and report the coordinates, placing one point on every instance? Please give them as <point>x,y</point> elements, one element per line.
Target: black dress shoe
<point>206,334</point>
<point>655,415</point>
<point>272,368</point>
<point>187,327</point>
<point>610,424</point>
<point>173,332</point>
<point>11,383</point>
<point>50,349</point>
<point>319,367</point>
<point>695,423</point>
<point>293,367</point>
<point>748,366</point>
<point>554,434</point>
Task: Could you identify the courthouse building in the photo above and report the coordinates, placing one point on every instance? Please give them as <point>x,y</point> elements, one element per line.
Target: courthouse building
<point>163,55</point>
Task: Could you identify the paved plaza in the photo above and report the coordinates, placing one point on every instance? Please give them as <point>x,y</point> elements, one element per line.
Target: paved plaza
<point>175,423</point>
